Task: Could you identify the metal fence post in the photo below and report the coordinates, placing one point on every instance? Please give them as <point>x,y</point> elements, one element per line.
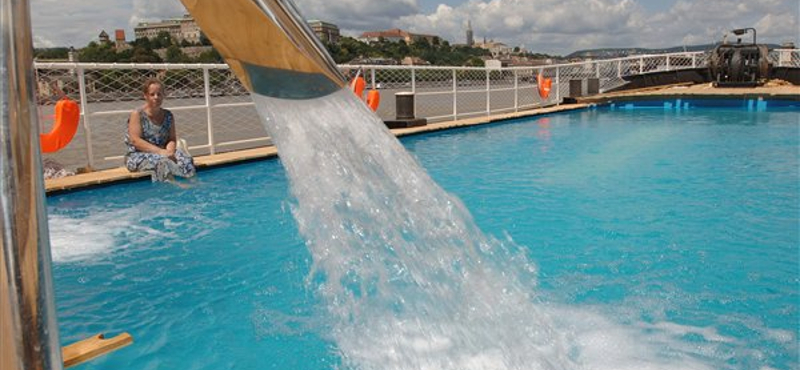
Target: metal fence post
<point>455,94</point>
<point>516,92</point>
<point>413,88</point>
<point>86,130</point>
<point>413,81</point>
<point>641,65</point>
<point>619,68</point>
<point>210,124</point>
<point>694,61</point>
<point>668,66</point>
<point>558,87</point>
<point>488,94</point>
<point>372,75</point>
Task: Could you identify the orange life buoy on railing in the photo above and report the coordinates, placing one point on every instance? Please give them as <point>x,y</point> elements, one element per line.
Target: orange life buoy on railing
<point>545,84</point>
<point>373,96</point>
<point>66,119</point>
<point>357,85</point>
<point>373,99</point>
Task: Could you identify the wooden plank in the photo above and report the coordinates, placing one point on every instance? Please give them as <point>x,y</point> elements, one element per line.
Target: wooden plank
<point>89,348</point>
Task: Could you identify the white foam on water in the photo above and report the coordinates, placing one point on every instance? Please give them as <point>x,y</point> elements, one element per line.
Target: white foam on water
<point>97,234</point>
<point>409,280</point>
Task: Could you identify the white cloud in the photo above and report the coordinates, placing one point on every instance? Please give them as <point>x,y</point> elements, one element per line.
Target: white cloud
<point>76,23</point>
<point>150,10</point>
<point>562,26</point>
<point>361,15</point>
<point>553,26</point>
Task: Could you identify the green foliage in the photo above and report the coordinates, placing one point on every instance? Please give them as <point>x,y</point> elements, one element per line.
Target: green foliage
<point>176,55</point>
<point>142,50</point>
<point>51,53</point>
<point>438,53</point>
<point>101,53</point>
<point>162,40</point>
<point>142,55</point>
<point>211,56</point>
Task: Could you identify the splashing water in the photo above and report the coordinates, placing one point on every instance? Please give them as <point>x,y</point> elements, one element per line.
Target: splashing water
<point>409,280</point>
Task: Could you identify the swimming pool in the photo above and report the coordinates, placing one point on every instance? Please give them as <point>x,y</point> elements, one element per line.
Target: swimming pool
<point>664,234</point>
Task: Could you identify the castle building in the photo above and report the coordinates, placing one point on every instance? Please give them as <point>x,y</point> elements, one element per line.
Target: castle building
<point>179,29</point>
<point>395,35</point>
<point>103,37</point>
<point>119,40</point>
<point>327,32</point>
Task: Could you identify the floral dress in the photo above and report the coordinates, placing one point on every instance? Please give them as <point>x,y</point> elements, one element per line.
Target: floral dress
<point>163,168</point>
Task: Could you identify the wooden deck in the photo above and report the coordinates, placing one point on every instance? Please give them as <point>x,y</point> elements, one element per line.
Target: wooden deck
<point>772,90</point>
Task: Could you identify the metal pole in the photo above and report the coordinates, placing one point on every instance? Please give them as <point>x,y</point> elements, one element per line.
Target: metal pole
<point>28,328</point>
<point>413,88</point>
<point>455,95</point>
<point>516,92</point>
<point>87,132</point>
<point>558,87</point>
<point>207,87</point>
<point>488,95</point>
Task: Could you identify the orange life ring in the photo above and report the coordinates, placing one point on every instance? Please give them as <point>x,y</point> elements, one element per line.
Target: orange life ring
<point>545,84</point>
<point>66,124</point>
<point>373,99</point>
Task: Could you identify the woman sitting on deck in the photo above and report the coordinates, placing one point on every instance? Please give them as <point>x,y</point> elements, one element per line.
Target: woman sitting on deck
<point>152,140</point>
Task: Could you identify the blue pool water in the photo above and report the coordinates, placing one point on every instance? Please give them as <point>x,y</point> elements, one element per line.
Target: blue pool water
<point>670,236</point>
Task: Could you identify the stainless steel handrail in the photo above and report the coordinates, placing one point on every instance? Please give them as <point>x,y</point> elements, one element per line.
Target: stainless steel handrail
<point>28,328</point>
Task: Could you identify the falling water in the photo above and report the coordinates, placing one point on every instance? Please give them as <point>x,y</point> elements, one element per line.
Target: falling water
<point>409,279</point>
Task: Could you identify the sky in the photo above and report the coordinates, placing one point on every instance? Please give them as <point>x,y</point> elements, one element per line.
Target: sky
<point>556,27</point>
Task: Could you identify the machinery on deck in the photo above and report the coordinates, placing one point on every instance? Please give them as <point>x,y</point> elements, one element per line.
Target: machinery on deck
<point>739,64</point>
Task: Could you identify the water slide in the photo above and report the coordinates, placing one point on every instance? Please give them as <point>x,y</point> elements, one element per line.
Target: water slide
<point>269,47</point>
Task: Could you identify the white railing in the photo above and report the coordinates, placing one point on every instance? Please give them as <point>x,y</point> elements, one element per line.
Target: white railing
<point>215,113</point>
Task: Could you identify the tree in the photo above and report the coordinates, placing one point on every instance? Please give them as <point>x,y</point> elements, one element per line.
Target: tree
<point>142,55</point>
<point>95,52</point>
<point>175,55</point>
<point>204,41</point>
<point>51,53</point>
<point>211,56</point>
<point>162,40</point>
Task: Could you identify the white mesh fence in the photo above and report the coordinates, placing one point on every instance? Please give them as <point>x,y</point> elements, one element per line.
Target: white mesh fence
<point>214,112</point>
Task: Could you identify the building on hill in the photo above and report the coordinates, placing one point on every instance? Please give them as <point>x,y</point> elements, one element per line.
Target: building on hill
<point>470,36</point>
<point>373,61</point>
<point>414,61</point>
<point>327,32</point>
<point>395,35</point>
<point>103,37</point>
<point>119,40</point>
<point>179,29</point>
<point>497,49</point>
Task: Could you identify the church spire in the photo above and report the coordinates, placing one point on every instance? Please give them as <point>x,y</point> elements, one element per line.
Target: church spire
<point>470,40</point>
